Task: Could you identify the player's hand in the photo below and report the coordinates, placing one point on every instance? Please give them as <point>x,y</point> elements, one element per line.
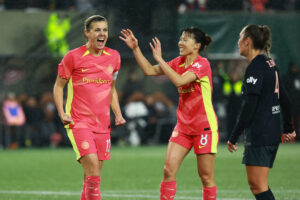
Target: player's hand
<point>232,147</point>
<point>66,119</point>
<point>156,48</point>
<point>289,137</point>
<point>129,39</point>
<point>119,121</point>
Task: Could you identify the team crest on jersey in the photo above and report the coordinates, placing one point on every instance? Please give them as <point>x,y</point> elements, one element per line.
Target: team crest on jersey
<point>252,80</point>
<point>85,145</point>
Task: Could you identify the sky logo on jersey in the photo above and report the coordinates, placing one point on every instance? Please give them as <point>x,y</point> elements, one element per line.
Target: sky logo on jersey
<point>252,80</point>
<point>197,65</point>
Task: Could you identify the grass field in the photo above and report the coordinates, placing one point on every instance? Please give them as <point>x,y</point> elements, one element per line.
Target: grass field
<point>135,173</point>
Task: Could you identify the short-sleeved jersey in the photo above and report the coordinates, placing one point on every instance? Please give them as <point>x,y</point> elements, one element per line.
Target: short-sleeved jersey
<point>90,78</point>
<point>195,112</point>
<point>261,78</point>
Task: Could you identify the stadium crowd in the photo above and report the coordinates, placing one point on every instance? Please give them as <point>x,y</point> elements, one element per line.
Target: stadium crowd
<point>182,5</point>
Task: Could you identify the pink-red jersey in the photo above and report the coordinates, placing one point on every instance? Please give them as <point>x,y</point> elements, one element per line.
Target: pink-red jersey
<point>90,78</point>
<point>195,112</point>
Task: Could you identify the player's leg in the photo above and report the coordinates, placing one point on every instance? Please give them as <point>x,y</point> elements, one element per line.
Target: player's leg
<point>92,170</point>
<point>86,153</point>
<point>206,168</point>
<point>258,161</point>
<point>205,147</point>
<point>174,157</point>
<point>258,182</point>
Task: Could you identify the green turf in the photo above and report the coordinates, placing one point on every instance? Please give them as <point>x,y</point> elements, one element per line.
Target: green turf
<point>135,173</point>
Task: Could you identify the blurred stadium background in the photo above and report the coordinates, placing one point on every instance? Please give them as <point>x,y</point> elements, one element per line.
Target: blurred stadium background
<point>36,34</point>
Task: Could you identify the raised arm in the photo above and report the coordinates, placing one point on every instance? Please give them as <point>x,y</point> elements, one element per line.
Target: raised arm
<point>58,92</point>
<point>176,79</point>
<point>145,65</point>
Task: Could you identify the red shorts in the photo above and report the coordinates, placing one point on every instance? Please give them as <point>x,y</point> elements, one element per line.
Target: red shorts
<point>85,141</point>
<point>203,143</point>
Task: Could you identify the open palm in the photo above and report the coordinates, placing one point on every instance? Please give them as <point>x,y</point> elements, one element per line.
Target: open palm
<point>129,38</point>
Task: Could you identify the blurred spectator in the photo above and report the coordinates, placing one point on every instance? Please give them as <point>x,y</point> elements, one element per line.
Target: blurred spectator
<point>14,119</point>
<point>258,5</point>
<point>291,81</point>
<point>132,85</point>
<point>161,118</point>
<point>218,97</point>
<point>192,5</point>
<point>34,117</point>
<point>232,89</point>
<point>49,134</point>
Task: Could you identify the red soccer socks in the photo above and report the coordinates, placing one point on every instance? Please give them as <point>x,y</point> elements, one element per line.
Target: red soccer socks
<point>167,190</point>
<point>209,193</point>
<point>92,188</point>
<point>82,197</point>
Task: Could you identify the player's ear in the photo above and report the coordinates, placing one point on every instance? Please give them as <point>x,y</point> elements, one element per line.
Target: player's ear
<point>86,33</point>
<point>197,45</point>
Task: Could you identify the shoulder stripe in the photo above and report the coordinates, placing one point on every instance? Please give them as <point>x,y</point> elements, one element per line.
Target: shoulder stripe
<point>105,52</point>
<point>86,53</point>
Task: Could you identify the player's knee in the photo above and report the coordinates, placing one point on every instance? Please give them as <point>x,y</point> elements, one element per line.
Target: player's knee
<point>169,172</point>
<point>207,180</point>
<point>254,186</point>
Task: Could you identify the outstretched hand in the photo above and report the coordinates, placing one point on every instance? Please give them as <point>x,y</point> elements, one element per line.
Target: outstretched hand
<point>129,39</point>
<point>290,137</point>
<point>231,147</point>
<point>156,49</point>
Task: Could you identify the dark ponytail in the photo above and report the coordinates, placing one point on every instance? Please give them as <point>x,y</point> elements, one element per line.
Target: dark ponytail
<point>260,36</point>
<point>199,36</point>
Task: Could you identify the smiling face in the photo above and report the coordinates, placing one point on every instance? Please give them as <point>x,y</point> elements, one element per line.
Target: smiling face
<point>187,44</point>
<point>97,35</point>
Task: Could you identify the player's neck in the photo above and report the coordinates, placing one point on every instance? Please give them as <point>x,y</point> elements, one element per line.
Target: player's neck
<point>253,53</point>
<point>190,59</point>
<point>94,51</point>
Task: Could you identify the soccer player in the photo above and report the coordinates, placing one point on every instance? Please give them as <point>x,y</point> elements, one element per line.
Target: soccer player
<point>196,120</point>
<point>91,72</point>
<point>264,97</point>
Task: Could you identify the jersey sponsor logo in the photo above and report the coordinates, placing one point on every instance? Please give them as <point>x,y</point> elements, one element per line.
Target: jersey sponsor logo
<point>252,80</point>
<point>84,70</point>
<point>183,91</point>
<point>275,109</point>
<point>99,80</point>
<point>197,65</point>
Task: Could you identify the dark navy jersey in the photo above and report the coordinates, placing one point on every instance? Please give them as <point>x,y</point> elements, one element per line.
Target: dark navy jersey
<point>261,79</point>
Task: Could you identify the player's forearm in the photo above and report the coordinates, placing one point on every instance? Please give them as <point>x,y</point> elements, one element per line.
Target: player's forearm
<point>285,104</point>
<point>58,99</point>
<point>144,64</point>
<point>114,102</point>
<point>175,78</point>
<point>245,118</point>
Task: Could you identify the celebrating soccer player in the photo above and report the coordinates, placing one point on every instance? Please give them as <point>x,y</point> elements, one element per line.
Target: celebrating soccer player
<point>196,120</point>
<point>91,72</point>
<point>264,96</point>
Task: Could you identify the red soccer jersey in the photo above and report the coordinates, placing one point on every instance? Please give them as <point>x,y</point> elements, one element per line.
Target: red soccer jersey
<point>90,78</point>
<point>195,112</point>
